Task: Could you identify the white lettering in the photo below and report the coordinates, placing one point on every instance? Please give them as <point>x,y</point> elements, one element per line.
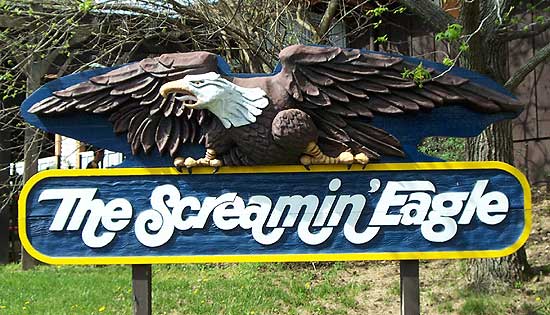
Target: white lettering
<point>437,215</point>
<point>390,199</point>
<point>114,216</point>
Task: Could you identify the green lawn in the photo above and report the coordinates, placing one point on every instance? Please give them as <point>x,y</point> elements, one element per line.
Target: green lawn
<point>178,289</point>
<point>302,288</point>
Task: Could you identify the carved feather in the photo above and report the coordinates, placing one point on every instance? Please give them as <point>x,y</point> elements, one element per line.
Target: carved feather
<point>402,103</point>
<point>44,104</point>
<point>148,134</point>
<point>315,77</point>
<point>122,123</point>
<point>119,75</point>
<point>359,108</point>
<point>106,107</point>
<point>335,94</point>
<point>370,87</point>
<point>422,101</point>
<point>138,83</point>
<point>185,131</point>
<point>169,107</point>
<point>345,56</point>
<point>377,104</point>
<point>80,89</point>
<point>350,69</point>
<point>391,83</point>
<point>342,110</point>
<point>444,93</point>
<point>162,134</point>
<point>305,85</point>
<point>430,95</point>
<point>136,137</point>
<point>337,75</point>
<point>320,100</point>
<point>175,137</point>
<point>353,91</point>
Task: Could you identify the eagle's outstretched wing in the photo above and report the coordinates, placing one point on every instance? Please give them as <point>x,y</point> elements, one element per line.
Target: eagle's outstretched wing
<point>336,86</point>
<point>130,96</point>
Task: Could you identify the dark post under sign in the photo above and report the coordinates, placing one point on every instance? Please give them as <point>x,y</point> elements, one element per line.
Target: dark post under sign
<point>141,286</point>
<point>410,287</point>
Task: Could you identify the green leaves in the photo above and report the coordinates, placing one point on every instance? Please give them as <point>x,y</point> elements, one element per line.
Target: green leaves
<point>378,11</point>
<point>453,33</point>
<point>419,75</point>
<point>540,19</point>
<point>399,10</point>
<point>448,61</point>
<point>7,76</point>
<point>464,47</point>
<point>85,6</point>
<point>9,84</point>
<point>382,39</point>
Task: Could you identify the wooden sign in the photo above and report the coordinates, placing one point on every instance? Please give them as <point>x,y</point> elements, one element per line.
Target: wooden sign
<point>275,213</point>
<point>175,114</point>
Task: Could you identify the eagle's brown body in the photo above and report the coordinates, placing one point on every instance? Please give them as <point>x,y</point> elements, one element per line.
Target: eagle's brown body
<point>279,135</point>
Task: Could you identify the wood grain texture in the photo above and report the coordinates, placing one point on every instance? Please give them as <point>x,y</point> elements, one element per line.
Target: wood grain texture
<point>474,238</point>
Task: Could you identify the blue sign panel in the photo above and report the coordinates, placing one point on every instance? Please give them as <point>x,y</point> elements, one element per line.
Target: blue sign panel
<point>276,213</point>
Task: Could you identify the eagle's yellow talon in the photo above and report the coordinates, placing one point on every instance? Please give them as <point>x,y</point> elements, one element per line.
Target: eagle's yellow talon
<point>203,162</point>
<point>190,162</point>
<point>345,158</point>
<point>215,163</point>
<point>179,162</point>
<point>306,160</point>
<point>361,158</point>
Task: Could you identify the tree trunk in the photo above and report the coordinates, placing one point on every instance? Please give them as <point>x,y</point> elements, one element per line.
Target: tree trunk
<point>5,159</point>
<point>495,144</point>
<point>33,142</point>
<point>486,55</point>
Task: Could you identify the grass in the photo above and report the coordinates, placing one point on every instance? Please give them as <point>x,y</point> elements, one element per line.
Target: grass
<point>481,305</point>
<point>179,289</point>
<point>65,290</point>
<point>339,288</point>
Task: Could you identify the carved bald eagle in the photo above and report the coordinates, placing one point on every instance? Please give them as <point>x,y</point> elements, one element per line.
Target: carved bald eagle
<point>316,110</point>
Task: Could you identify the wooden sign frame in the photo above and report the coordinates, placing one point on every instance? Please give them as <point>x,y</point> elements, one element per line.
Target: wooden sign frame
<point>447,168</point>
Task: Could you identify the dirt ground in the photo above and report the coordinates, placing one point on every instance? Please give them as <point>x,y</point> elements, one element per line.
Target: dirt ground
<point>444,284</point>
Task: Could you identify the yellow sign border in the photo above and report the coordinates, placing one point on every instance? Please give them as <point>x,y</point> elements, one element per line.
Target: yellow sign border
<point>276,257</point>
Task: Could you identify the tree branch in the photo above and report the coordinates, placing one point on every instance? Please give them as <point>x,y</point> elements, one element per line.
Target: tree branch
<point>526,68</point>
<point>506,35</point>
<point>431,14</point>
<point>301,19</point>
<point>330,12</point>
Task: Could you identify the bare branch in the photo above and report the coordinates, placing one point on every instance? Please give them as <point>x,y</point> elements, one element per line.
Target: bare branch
<point>526,68</point>
<point>326,20</point>
<point>301,19</point>
<point>537,28</point>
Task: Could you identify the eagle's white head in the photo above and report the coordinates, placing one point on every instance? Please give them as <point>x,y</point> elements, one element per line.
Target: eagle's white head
<point>234,105</point>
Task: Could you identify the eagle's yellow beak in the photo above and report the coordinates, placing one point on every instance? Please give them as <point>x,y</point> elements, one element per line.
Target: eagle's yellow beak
<point>178,86</point>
